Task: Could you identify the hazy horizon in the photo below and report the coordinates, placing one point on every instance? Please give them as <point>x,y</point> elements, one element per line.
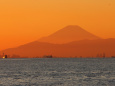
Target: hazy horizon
<point>71,41</point>
<point>24,21</point>
<point>49,35</point>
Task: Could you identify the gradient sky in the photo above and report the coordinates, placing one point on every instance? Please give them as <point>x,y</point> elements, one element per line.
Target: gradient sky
<point>23,21</point>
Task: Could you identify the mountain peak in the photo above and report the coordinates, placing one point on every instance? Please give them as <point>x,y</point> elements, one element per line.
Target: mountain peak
<point>68,34</point>
<point>72,28</point>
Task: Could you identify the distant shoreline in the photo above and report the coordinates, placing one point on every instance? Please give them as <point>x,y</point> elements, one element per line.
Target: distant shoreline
<point>60,57</point>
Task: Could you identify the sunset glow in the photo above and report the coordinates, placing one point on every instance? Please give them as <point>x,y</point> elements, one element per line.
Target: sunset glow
<point>24,21</point>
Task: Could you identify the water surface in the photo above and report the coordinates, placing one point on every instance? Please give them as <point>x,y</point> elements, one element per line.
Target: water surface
<point>57,72</point>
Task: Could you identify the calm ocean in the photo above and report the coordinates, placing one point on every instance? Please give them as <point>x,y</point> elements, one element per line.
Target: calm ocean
<point>57,72</point>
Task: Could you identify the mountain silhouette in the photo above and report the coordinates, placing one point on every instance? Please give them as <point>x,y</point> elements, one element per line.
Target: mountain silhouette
<point>68,34</point>
<point>70,41</point>
<point>84,48</point>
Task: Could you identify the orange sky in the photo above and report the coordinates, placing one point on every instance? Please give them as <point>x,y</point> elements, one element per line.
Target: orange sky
<point>23,21</point>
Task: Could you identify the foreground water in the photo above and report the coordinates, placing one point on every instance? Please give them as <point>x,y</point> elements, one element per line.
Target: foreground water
<point>57,72</point>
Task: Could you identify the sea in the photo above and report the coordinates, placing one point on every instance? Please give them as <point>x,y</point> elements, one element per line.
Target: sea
<point>57,72</point>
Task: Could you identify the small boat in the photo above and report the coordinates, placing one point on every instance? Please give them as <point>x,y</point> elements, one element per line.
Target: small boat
<point>50,56</point>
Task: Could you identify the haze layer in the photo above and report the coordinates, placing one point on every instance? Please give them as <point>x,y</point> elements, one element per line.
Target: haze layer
<point>24,21</point>
<point>77,42</point>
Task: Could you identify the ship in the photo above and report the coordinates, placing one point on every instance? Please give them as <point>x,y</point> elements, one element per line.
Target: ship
<point>49,56</point>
